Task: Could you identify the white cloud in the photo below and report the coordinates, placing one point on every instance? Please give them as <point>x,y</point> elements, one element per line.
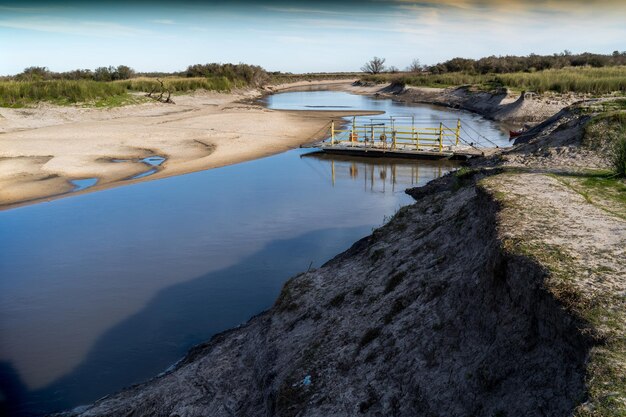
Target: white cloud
<point>31,9</point>
<point>299,10</point>
<point>74,27</point>
<point>163,21</point>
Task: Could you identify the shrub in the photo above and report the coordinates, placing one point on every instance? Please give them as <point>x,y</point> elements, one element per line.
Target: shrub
<point>618,157</point>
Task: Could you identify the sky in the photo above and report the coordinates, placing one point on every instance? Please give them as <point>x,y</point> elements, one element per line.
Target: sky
<point>297,36</point>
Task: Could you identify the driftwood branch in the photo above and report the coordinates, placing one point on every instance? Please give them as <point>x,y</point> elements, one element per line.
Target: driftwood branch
<point>152,91</point>
<point>162,90</point>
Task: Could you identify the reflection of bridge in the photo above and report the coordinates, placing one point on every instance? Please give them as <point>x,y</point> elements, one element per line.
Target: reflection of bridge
<point>395,137</point>
<point>381,175</point>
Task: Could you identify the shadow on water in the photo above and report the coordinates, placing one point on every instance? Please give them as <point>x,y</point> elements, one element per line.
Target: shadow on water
<point>177,318</point>
<point>13,392</point>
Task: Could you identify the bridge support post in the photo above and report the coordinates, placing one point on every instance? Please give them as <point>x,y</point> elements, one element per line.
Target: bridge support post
<point>458,131</point>
<point>440,136</point>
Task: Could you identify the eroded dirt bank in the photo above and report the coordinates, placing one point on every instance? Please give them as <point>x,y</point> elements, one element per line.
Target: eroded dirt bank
<point>477,300</point>
<point>501,105</point>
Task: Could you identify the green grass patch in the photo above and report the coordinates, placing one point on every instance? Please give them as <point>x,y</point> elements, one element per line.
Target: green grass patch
<point>284,78</point>
<point>62,92</point>
<point>183,84</point>
<point>604,190</point>
<point>606,133</point>
<point>618,156</point>
<point>118,101</point>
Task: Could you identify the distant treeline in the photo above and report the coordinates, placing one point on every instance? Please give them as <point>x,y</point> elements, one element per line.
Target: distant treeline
<point>121,72</point>
<point>235,73</point>
<point>563,73</point>
<point>530,63</point>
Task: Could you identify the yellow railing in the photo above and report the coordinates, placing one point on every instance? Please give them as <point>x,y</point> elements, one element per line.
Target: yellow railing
<point>392,137</point>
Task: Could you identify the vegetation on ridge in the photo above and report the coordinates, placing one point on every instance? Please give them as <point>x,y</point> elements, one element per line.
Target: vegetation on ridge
<point>587,80</point>
<point>606,132</point>
<point>112,85</point>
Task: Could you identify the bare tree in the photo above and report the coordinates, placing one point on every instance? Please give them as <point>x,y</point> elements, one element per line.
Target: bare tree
<point>393,70</point>
<point>415,66</point>
<point>374,66</point>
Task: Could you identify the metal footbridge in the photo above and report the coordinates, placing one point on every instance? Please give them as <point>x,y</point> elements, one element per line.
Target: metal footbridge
<point>398,137</point>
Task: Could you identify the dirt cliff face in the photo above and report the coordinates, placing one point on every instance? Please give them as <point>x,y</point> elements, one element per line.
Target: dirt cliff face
<point>499,104</point>
<point>428,316</point>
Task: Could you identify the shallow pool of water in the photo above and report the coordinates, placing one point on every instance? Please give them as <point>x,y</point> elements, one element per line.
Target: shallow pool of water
<point>105,289</point>
<point>84,183</point>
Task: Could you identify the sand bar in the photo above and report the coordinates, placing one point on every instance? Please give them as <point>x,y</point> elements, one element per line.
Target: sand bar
<point>43,149</point>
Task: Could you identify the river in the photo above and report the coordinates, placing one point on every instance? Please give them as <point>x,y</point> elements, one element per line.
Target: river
<point>106,289</point>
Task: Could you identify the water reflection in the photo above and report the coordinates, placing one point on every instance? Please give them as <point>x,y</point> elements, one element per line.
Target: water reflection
<point>380,175</point>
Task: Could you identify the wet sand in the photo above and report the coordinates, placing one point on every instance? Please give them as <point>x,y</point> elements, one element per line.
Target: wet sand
<point>43,149</point>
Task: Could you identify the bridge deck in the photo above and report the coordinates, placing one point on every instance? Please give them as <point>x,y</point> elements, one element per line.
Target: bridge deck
<point>378,149</point>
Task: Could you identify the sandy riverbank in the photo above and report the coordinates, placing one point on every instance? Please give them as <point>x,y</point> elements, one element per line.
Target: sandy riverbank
<point>42,149</point>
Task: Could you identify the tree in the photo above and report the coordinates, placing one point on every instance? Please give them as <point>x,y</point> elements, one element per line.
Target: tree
<point>415,66</point>
<point>124,72</point>
<point>77,74</point>
<point>34,74</point>
<point>393,70</point>
<point>104,73</point>
<point>374,66</point>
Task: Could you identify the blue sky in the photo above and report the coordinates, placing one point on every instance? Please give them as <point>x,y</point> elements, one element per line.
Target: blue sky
<point>303,36</point>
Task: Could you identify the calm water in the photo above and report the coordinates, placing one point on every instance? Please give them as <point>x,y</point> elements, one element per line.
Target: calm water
<point>102,290</point>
